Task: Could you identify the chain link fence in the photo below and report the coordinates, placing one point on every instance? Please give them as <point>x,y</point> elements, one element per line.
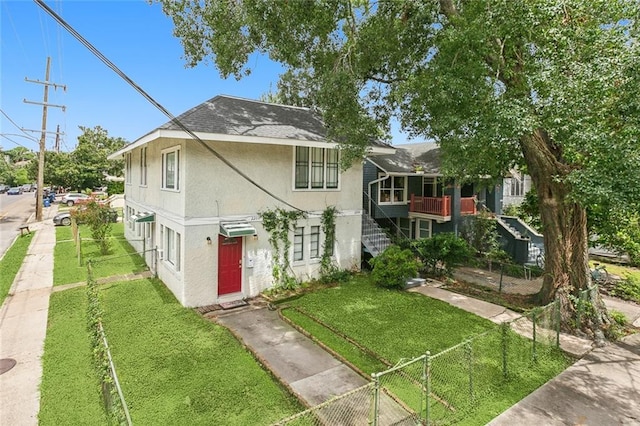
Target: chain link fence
<point>447,387</point>
<point>112,395</point>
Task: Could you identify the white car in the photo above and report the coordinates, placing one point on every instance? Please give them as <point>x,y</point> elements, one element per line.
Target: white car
<point>72,198</point>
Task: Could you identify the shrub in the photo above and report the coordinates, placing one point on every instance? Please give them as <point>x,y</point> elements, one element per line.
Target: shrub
<point>628,288</point>
<point>115,187</point>
<point>334,275</point>
<point>481,233</point>
<point>98,218</point>
<point>393,267</point>
<point>441,253</point>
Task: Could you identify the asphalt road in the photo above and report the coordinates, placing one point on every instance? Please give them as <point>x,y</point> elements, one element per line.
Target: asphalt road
<point>15,210</point>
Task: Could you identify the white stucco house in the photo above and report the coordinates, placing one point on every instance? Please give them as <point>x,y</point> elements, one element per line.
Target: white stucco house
<point>197,218</point>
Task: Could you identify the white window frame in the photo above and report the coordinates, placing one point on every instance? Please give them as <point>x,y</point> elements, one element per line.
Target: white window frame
<point>418,229</point>
<point>176,183</point>
<point>298,244</point>
<point>172,247</point>
<point>516,187</point>
<point>314,242</point>
<point>143,166</point>
<point>308,167</point>
<point>383,188</point>
<point>127,167</point>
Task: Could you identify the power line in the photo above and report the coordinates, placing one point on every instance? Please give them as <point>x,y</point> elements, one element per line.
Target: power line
<point>14,123</point>
<point>11,140</point>
<point>155,103</point>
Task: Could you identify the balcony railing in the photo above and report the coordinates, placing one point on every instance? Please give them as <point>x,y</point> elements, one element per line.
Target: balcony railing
<point>468,205</point>
<point>440,206</point>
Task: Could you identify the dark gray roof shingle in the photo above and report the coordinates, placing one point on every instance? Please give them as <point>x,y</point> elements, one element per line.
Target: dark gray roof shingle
<point>243,117</point>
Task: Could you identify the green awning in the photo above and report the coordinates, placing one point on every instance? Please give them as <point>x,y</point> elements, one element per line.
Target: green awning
<point>236,229</point>
<point>144,217</point>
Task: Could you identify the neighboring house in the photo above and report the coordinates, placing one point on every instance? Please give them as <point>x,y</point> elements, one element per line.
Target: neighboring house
<point>406,194</point>
<point>515,187</point>
<point>198,219</point>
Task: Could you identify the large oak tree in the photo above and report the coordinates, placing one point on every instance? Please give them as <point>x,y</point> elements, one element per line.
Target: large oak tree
<point>553,86</point>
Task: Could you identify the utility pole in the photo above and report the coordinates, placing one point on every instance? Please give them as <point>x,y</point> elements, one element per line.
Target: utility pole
<point>40,183</point>
<point>56,147</point>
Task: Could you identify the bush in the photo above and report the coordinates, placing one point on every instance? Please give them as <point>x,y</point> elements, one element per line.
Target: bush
<point>441,253</point>
<point>481,233</point>
<point>98,218</point>
<point>628,288</point>
<point>115,187</point>
<point>393,267</point>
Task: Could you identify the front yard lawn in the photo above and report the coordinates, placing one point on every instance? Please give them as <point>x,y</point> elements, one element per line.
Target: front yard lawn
<point>70,391</point>
<point>393,325</point>
<point>175,367</point>
<point>121,260</point>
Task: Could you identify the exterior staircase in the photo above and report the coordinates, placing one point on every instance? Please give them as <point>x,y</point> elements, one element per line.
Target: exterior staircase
<point>522,242</point>
<point>374,238</point>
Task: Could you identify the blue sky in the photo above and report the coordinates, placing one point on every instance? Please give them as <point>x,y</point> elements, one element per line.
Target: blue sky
<point>134,35</point>
<point>137,37</point>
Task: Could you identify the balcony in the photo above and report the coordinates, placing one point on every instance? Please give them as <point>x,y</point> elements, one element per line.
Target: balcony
<point>440,206</point>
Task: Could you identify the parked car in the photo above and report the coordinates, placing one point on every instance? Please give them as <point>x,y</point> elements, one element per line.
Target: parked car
<point>72,198</point>
<point>64,218</point>
<point>27,187</point>
<point>3,188</point>
<point>16,190</point>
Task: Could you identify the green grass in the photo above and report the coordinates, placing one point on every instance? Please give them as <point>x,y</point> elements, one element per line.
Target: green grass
<point>402,325</point>
<point>11,263</point>
<point>70,392</point>
<point>121,260</point>
<point>620,270</point>
<point>177,368</point>
<point>391,323</point>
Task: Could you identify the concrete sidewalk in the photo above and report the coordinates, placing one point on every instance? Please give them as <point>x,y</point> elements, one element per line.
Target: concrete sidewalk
<point>603,388</point>
<point>23,327</point>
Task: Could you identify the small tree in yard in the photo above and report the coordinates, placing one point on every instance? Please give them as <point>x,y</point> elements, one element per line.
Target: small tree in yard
<point>393,267</point>
<point>441,253</point>
<point>97,217</point>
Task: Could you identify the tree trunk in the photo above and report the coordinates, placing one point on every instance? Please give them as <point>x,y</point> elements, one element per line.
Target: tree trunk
<point>564,225</point>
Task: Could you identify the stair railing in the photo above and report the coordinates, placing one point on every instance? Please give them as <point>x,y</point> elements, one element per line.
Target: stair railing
<point>367,203</point>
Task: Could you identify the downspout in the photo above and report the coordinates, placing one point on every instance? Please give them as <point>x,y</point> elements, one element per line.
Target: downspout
<point>385,177</point>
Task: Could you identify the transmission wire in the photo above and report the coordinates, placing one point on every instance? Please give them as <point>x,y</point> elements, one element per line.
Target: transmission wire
<point>155,103</point>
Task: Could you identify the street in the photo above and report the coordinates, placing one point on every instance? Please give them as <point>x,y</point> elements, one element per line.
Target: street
<point>15,210</point>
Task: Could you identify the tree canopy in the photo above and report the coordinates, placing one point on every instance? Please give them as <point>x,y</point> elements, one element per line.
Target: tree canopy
<point>86,167</point>
<point>552,86</point>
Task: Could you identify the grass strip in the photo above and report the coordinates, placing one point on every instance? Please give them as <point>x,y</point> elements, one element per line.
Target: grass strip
<point>11,263</point>
<point>363,360</point>
<point>175,367</point>
<point>70,392</point>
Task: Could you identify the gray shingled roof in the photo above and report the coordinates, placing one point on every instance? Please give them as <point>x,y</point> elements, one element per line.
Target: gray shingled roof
<point>243,117</point>
<point>426,154</point>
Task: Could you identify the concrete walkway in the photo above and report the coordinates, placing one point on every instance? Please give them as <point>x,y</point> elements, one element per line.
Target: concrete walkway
<point>309,371</point>
<point>23,327</point>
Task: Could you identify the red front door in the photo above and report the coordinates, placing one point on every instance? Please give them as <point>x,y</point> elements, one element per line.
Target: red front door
<point>229,265</point>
